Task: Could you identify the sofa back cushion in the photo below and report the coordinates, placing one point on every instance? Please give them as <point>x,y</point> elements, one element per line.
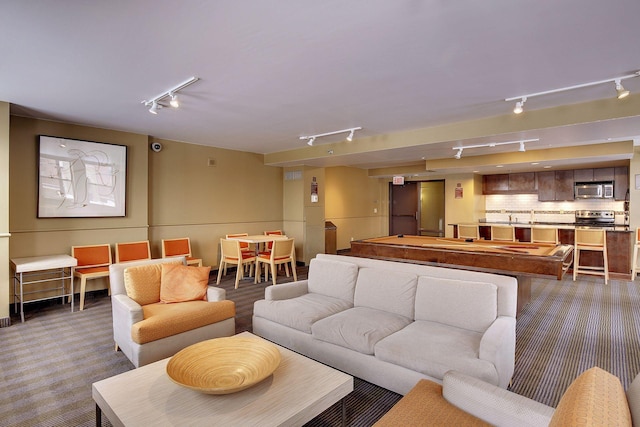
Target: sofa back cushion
<point>332,278</point>
<point>468,305</point>
<point>387,290</point>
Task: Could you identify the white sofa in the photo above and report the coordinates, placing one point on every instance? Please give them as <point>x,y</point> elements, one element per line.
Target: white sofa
<point>393,323</point>
<point>127,312</point>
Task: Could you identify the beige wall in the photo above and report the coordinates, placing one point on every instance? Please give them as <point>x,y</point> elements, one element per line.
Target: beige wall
<point>4,213</point>
<point>356,204</point>
<point>206,192</point>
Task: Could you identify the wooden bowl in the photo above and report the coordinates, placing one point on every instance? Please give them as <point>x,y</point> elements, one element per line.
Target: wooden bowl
<point>224,365</point>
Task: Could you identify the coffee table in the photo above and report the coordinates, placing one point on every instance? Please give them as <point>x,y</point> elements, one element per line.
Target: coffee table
<point>298,390</point>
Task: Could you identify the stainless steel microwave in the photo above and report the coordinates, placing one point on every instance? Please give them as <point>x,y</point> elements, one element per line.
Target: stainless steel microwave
<point>594,190</point>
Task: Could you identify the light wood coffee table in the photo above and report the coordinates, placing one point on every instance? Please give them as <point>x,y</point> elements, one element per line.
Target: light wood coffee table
<point>298,390</point>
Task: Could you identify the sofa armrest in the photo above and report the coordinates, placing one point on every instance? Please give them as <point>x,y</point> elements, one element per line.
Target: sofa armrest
<point>286,290</point>
<point>498,346</point>
<point>216,294</point>
<point>492,403</point>
<point>125,312</point>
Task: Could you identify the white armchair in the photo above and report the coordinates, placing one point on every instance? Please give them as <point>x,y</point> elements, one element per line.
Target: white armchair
<point>169,327</point>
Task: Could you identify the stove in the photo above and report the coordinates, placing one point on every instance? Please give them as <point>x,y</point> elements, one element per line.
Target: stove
<point>590,218</point>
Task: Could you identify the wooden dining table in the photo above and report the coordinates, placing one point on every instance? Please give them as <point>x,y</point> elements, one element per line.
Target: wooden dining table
<point>259,239</point>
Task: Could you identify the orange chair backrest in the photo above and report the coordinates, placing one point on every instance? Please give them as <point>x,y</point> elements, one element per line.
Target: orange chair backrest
<point>92,254</point>
<point>132,251</point>
<point>230,249</point>
<point>243,245</point>
<point>176,247</point>
<point>272,233</point>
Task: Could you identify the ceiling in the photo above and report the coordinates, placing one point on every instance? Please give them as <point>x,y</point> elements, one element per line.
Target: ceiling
<point>274,70</point>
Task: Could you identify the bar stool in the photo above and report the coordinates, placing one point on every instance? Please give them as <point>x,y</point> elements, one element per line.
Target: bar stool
<point>468,232</point>
<point>590,240</point>
<point>503,233</point>
<point>634,270</point>
<point>544,235</point>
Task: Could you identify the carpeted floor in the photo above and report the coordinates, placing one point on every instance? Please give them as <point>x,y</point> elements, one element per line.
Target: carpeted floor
<point>48,363</point>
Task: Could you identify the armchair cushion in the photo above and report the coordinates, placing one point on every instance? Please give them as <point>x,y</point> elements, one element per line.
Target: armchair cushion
<point>595,398</point>
<point>142,282</point>
<point>164,320</point>
<point>180,283</point>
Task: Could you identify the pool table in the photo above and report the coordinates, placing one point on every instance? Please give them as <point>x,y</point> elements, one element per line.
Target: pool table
<point>522,260</point>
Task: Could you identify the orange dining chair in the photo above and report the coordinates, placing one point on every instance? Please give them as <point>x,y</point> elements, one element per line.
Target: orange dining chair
<point>244,246</point>
<point>230,253</point>
<point>133,251</point>
<point>269,245</point>
<point>93,262</point>
<point>180,247</point>
<point>282,252</point>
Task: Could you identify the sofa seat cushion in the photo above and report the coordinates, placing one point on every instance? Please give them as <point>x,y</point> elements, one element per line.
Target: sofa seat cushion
<point>164,320</point>
<point>300,312</point>
<point>433,349</point>
<point>358,328</point>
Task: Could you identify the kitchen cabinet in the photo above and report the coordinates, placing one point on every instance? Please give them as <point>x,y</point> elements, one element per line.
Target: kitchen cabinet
<point>621,185</point>
<point>512,183</point>
<point>591,175</point>
<point>555,185</point>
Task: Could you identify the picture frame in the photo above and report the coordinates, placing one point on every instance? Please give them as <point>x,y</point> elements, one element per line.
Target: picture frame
<point>81,179</point>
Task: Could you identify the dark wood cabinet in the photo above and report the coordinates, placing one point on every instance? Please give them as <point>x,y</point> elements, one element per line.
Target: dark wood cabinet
<point>619,246</point>
<point>555,185</point>
<point>522,183</point>
<point>495,184</point>
<point>583,175</point>
<point>603,174</point>
<point>621,185</point>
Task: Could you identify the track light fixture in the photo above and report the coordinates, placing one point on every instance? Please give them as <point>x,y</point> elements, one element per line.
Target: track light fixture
<point>494,144</point>
<point>620,91</point>
<point>154,103</point>
<point>311,138</point>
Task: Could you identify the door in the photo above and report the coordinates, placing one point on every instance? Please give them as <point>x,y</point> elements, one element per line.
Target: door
<point>432,208</point>
<point>403,217</point>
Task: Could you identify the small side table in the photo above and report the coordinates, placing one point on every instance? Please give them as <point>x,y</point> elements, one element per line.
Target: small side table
<point>42,269</point>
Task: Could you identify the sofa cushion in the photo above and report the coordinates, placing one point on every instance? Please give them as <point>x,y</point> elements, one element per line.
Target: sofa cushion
<point>164,320</point>
<point>300,312</point>
<point>335,279</point>
<point>386,290</point>
<point>463,304</point>
<point>434,348</point>
<point>595,398</point>
<point>358,328</point>
<point>180,283</point>
<point>142,282</point>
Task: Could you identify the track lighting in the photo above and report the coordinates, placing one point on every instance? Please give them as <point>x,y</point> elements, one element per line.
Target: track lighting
<point>154,103</point>
<point>620,91</point>
<point>494,144</point>
<point>312,138</point>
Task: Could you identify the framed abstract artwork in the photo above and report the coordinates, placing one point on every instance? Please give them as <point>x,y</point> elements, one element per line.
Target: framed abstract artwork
<point>80,179</point>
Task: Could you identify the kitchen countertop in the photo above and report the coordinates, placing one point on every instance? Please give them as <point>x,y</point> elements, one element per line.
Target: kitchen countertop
<point>562,225</point>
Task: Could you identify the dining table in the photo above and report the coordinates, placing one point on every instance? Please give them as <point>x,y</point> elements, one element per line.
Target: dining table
<point>259,239</point>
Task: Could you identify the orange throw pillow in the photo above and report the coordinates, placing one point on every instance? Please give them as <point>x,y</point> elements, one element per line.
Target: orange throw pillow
<point>180,283</point>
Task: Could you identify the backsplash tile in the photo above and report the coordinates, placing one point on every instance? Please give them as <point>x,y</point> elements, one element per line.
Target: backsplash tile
<point>526,207</point>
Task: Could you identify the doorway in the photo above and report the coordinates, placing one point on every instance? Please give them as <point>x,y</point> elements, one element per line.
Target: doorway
<point>417,208</point>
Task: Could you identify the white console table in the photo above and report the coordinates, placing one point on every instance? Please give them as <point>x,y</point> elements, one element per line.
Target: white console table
<point>41,269</point>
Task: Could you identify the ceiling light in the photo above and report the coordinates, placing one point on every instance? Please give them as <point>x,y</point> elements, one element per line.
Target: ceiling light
<point>494,144</point>
<point>312,138</point>
<point>620,90</point>
<point>154,103</point>
<point>350,137</point>
<point>518,109</point>
<point>174,100</point>
<point>154,107</point>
